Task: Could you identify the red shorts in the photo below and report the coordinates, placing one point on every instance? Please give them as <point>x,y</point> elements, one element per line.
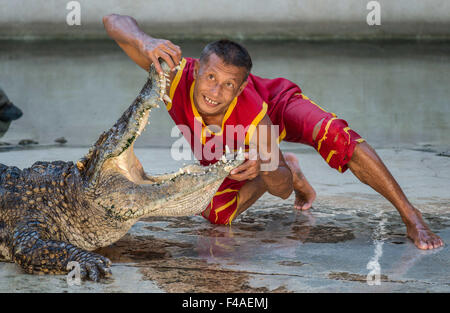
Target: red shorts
<point>335,142</point>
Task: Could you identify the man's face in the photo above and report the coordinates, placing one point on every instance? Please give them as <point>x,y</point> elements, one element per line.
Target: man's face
<point>216,85</point>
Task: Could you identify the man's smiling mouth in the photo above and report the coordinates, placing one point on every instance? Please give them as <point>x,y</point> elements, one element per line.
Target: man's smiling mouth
<point>210,101</point>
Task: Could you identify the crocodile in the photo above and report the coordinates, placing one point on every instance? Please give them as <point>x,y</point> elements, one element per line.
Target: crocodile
<point>55,213</point>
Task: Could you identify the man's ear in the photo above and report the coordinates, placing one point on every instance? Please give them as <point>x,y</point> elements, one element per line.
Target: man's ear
<point>196,68</point>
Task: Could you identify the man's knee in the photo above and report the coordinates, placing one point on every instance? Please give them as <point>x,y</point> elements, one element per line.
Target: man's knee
<point>335,142</point>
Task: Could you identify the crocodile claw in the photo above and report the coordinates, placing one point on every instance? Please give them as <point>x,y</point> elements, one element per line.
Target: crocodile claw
<point>94,266</point>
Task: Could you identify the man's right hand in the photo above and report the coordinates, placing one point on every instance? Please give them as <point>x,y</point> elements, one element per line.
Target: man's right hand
<point>140,47</point>
<point>153,48</point>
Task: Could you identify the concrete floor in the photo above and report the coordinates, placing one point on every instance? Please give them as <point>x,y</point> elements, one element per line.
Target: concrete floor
<point>334,247</point>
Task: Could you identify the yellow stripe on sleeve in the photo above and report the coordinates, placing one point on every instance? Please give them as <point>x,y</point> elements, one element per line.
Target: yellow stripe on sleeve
<point>282,135</point>
<point>255,123</point>
<point>306,98</point>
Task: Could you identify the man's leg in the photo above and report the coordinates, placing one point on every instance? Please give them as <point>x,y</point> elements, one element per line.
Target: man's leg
<point>342,148</point>
<point>253,189</point>
<point>304,192</point>
<point>249,193</point>
<point>368,167</point>
<point>302,119</point>
<point>226,206</point>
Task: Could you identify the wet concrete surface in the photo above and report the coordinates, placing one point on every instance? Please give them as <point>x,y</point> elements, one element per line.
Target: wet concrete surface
<point>333,247</point>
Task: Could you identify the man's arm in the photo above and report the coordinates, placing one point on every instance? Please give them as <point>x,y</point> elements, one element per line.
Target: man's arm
<point>140,47</point>
<point>268,162</point>
<point>367,166</point>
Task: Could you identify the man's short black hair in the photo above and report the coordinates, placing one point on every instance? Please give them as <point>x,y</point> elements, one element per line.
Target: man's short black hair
<point>230,52</point>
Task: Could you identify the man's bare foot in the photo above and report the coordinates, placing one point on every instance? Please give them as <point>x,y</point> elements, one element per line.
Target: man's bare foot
<point>304,193</point>
<point>421,235</point>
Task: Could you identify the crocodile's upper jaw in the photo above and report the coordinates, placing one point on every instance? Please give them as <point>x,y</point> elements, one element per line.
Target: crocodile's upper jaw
<point>119,138</point>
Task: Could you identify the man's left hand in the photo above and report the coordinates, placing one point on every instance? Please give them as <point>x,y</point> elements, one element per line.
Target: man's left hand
<point>248,170</point>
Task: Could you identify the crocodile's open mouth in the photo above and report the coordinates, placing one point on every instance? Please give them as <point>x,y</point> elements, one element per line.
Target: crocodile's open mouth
<point>114,150</point>
<point>112,172</point>
<point>128,164</point>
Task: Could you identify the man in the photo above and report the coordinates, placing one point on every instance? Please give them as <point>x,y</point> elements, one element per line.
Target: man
<point>8,112</point>
<point>218,89</point>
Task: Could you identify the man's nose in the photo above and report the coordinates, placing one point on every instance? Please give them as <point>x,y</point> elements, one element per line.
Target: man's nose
<point>215,90</point>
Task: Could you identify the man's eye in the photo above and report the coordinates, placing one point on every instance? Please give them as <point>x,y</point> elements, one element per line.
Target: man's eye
<point>211,76</point>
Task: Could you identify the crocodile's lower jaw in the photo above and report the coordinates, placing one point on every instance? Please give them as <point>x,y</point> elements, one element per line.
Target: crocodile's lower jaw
<point>128,165</point>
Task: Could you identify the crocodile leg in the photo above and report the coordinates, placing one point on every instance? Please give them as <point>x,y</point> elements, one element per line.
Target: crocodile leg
<point>4,251</point>
<point>36,254</point>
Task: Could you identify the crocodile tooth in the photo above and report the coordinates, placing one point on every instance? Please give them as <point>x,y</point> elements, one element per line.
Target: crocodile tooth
<point>227,149</point>
<point>224,159</point>
<point>240,155</point>
<point>167,98</point>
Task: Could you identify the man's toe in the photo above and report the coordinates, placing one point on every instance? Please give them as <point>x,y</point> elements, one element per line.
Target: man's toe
<point>422,245</point>
<point>306,206</point>
<point>437,243</point>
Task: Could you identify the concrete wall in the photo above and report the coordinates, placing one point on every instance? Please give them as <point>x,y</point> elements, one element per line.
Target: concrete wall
<point>239,19</point>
